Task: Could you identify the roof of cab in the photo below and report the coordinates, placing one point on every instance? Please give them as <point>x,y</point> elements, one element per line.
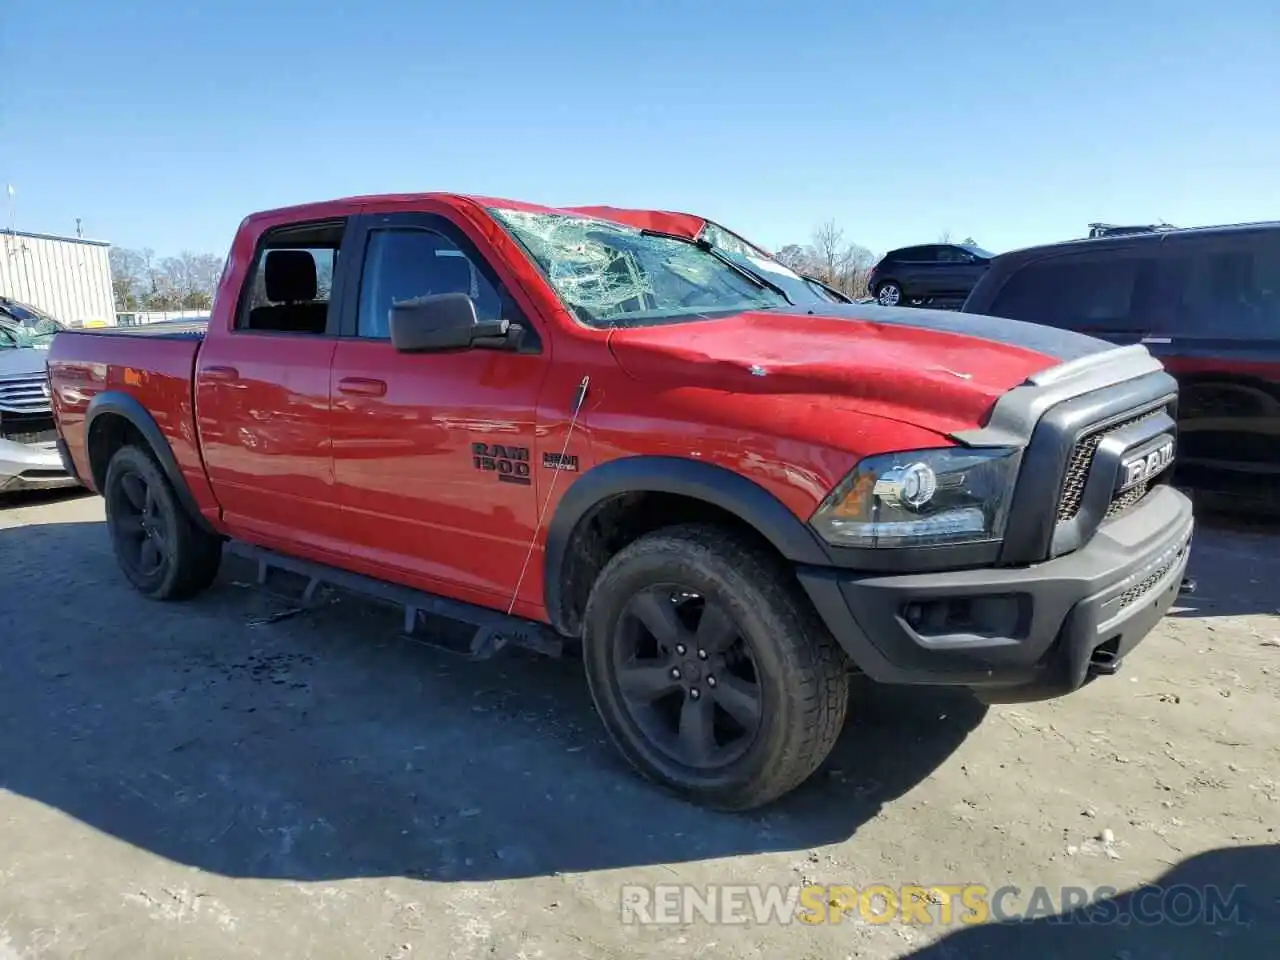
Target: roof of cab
<point>323,208</point>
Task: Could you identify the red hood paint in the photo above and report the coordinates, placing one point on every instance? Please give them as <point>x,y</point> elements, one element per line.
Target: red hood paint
<point>941,381</point>
<point>664,221</point>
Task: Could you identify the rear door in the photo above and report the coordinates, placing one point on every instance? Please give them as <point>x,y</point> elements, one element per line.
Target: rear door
<point>955,271</point>
<point>262,395</point>
<point>915,269</point>
<point>1217,329</point>
<point>433,452</point>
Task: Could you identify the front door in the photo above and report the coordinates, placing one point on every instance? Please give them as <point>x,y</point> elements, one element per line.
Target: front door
<point>433,452</point>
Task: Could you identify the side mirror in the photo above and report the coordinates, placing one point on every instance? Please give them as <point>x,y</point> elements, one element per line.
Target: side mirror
<point>445,321</point>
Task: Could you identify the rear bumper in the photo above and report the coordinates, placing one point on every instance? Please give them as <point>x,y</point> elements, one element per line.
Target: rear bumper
<point>32,467</point>
<point>1016,633</point>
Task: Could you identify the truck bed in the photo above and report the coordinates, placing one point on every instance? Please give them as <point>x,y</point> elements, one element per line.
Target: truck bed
<point>151,365</point>
<point>165,329</point>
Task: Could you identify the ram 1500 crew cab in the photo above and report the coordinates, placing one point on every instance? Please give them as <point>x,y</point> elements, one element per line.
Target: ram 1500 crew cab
<point>622,439</point>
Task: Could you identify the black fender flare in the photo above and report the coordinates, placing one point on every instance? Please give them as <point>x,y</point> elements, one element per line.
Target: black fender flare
<point>716,485</point>
<point>123,405</point>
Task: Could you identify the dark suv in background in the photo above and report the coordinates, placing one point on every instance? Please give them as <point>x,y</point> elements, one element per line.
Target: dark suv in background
<point>1206,301</point>
<point>938,274</point>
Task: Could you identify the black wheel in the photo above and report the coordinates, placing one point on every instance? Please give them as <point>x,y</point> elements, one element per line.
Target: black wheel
<point>158,546</point>
<point>710,671</point>
<point>889,294</point>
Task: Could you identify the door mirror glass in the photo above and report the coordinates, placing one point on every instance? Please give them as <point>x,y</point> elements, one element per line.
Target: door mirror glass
<point>444,321</point>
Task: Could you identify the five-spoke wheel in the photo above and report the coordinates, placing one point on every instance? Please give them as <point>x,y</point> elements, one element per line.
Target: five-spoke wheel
<point>710,671</point>
<point>687,675</point>
<point>161,548</point>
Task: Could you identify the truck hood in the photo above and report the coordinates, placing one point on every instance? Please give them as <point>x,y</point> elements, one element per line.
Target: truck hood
<point>22,361</point>
<point>934,369</point>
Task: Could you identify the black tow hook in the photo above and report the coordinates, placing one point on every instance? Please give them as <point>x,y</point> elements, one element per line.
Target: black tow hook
<point>1188,586</point>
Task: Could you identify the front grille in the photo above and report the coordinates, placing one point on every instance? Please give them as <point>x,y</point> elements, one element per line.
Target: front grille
<point>28,427</point>
<point>29,394</point>
<point>1126,500</point>
<point>1078,470</point>
<point>1147,584</point>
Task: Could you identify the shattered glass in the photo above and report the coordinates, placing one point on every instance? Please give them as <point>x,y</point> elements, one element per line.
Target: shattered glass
<point>612,275</point>
<point>730,242</point>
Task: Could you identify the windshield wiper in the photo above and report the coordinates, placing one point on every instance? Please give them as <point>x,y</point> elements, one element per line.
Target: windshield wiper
<point>755,278</point>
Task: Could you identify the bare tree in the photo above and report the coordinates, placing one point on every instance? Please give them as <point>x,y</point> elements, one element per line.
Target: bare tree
<point>142,281</point>
<point>126,277</point>
<point>829,246</point>
<point>833,260</point>
<point>945,237</point>
<point>801,259</point>
<point>858,263</point>
<point>150,271</point>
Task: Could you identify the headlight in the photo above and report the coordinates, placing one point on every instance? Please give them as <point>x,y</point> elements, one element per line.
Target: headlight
<point>921,497</point>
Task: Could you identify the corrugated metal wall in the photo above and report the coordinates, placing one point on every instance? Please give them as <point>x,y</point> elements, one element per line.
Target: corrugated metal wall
<point>67,278</point>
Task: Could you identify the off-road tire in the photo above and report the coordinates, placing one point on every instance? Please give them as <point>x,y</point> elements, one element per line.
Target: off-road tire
<point>801,672</point>
<point>191,554</point>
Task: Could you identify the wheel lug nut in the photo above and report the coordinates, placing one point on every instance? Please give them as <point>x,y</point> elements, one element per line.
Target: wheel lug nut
<point>711,681</point>
<point>695,693</point>
<point>702,654</point>
<point>680,649</point>
<point>675,673</point>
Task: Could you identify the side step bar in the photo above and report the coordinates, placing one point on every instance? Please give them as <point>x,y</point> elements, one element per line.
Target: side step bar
<point>492,631</point>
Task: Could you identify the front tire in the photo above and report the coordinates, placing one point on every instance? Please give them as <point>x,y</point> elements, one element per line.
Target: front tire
<point>889,294</point>
<point>159,547</point>
<point>710,671</point>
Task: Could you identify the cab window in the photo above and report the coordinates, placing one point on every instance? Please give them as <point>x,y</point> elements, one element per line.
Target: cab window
<point>405,263</point>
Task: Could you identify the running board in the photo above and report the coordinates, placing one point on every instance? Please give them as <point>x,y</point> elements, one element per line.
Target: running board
<point>490,633</point>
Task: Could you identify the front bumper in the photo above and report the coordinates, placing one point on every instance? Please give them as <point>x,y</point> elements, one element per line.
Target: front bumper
<point>32,467</point>
<point>1025,633</point>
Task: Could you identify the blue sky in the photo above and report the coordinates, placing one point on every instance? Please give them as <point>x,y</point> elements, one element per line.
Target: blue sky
<point>1015,122</point>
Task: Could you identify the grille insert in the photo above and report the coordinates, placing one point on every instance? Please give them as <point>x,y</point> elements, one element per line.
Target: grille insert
<point>1147,584</point>
<point>27,394</point>
<point>1077,474</point>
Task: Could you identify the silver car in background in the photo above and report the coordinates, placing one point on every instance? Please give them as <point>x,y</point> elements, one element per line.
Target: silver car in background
<point>28,439</point>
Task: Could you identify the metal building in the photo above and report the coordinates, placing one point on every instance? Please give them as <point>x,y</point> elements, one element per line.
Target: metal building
<point>67,277</point>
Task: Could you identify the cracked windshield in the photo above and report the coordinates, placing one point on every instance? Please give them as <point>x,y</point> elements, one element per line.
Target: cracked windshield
<point>611,275</point>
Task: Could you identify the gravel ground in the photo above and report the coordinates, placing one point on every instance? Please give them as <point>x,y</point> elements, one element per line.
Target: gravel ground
<point>182,781</point>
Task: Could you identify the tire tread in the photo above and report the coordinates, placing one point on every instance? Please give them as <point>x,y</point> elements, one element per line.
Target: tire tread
<point>815,671</point>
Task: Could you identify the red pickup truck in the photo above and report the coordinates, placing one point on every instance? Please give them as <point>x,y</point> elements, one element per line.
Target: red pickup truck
<point>556,426</point>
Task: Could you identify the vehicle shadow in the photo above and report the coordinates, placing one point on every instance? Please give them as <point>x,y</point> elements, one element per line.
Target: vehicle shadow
<point>1230,559</point>
<point>1217,904</point>
<point>322,745</point>
<point>36,498</point>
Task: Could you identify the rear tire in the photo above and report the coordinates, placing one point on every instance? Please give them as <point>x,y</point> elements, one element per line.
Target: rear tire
<point>710,671</point>
<point>158,545</point>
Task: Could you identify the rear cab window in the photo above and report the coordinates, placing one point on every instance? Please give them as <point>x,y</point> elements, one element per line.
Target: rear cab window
<point>290,284</point>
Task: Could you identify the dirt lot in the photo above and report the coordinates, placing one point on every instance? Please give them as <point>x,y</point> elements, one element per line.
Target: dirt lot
<point>178,781</point>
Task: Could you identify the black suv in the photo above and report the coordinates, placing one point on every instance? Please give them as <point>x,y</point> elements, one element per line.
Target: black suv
<point>934,273</point>
<point>1206,302</point>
